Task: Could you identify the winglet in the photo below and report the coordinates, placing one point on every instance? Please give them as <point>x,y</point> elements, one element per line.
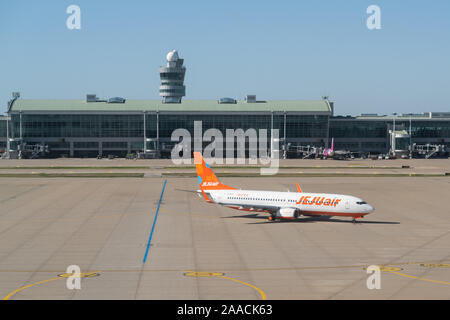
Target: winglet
<point>298,188</point>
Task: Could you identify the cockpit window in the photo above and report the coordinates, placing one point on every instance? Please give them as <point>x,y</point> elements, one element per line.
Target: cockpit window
<point>361,202</point>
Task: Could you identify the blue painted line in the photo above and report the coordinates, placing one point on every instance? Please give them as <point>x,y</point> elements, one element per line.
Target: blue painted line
<point>154,223</point>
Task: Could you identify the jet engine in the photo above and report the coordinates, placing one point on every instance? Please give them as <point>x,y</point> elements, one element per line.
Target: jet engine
<point>287,213</point>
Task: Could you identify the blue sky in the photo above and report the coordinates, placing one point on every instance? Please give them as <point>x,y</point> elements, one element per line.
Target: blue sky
<point>274,49</point>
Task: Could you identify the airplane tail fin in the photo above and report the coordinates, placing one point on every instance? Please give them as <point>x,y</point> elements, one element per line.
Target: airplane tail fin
<point>332,144</point>
<point>206,177</point>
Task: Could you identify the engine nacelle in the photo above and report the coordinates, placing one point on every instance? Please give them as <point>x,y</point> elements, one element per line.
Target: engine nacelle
<point>287,213</point>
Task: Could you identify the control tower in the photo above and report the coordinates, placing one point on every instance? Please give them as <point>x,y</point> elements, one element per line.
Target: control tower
<point>172,87</point>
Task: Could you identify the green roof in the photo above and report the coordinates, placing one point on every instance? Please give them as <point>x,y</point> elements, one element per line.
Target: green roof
<point>185,105</point>
<point>402,117</point>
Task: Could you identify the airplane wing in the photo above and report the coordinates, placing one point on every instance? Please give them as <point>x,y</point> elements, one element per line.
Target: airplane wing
<point>256,208</point>
<point>342,152</point>
<point>192,191</point>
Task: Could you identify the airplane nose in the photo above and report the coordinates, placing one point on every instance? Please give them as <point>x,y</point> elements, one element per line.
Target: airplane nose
<point>370,208</point>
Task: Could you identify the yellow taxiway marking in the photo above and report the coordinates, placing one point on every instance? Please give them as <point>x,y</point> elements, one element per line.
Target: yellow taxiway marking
<point>392,267</point>
<point>435,265</point>
<point>81,275</point>
<point>28,286</point>
<point>60,276</point>
<point>418,278</point>
<point>395,270</point>
<point>263,295</point>
<point>222,276</point>
<point>202,274</point>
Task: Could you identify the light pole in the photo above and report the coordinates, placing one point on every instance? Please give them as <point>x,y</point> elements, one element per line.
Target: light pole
<point>393,135</point>
<point>7,138</point>
<point>284,137</point>
<point>157,132</point>
<point>410,137</point>
<point>145,135</point>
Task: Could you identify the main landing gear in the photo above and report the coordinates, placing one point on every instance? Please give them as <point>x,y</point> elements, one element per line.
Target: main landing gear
<point>354,219</point>
<point>272,217</point>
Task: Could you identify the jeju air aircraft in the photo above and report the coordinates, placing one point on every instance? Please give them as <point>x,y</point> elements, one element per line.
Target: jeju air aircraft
<point>330,153</point>
<point>279,205</point>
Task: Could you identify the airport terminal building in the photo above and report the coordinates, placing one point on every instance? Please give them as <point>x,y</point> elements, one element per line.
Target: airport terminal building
<point>117,126</point>
<point>79,128</point>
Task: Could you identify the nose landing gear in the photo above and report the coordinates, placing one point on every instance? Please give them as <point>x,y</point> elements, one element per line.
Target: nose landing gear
<point>354,218</point>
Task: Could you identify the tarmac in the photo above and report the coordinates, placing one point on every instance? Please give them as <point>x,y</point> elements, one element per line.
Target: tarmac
<point>195,250</point>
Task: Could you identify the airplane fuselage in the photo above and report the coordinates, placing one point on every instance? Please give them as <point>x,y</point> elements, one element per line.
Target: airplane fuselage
<point>303,203</point>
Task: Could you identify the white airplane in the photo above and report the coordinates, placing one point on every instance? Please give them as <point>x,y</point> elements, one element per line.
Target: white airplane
<point>280,205</point>
<point>330,153</point>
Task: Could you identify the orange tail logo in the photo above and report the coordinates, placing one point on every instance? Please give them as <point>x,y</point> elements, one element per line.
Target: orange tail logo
<point>206,177</point>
